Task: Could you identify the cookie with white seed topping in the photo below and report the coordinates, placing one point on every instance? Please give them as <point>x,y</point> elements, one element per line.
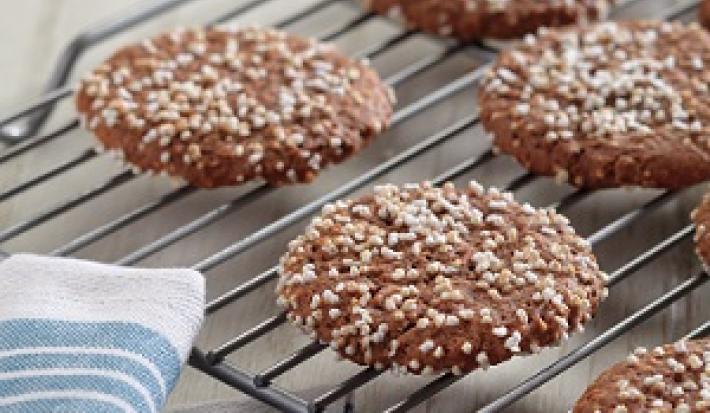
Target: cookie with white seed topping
<point>701,219</point>
<point>476,19</point>
<point>670,378</point>
<point>424,279</point>
<point>607,105</point>
<point>222,106</point>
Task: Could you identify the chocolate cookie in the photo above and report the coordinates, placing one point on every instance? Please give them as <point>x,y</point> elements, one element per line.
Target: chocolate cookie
<point>223,106</point>
<point>671,378</point>
<point>501,19</point>
<point>701,219</point>
<point>704,13</point>
<point>424,279</point>
<point>608,105</point>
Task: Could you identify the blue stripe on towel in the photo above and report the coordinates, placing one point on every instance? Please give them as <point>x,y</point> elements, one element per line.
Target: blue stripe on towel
<point>62,406</point>
<point>28,333</point>
<point>86,361</point>
<point>79,383</point>
<point>46,346</point>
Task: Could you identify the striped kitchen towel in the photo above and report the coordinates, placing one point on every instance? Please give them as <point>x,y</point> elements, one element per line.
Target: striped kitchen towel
<point>77,336</point>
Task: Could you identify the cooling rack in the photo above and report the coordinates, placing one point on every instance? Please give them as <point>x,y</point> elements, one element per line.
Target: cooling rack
<point>20,132</point>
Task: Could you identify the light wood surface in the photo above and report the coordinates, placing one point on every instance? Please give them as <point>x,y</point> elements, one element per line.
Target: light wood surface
<point>33,33</point>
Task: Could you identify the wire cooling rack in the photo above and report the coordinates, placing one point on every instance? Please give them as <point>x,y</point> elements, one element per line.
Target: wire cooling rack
<point>19,131</point>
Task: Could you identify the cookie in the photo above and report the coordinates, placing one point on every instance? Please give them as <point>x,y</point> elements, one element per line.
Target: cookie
<point>500,19</point>
<point>226,105</point>
<point>670,378</point>
<point>426,280</point>
<point>608,105</point>
<point>701,219</point>
<point>704,13</point>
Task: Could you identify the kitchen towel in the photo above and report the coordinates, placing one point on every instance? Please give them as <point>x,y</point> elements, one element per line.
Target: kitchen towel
<point>78,336</point>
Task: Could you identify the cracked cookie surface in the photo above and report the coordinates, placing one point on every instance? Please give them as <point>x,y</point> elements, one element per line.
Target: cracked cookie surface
<point>476,19</point>
<point>227,105</point>
<point>670,378</point>
<point>701,219</point>
<point>609,105</point>
<point>424,279</point>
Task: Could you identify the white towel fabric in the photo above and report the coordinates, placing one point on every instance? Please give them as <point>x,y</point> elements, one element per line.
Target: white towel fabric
<point>77,336</point>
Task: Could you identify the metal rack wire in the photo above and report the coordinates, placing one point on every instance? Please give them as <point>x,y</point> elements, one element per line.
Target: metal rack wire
<point>213,361</point>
